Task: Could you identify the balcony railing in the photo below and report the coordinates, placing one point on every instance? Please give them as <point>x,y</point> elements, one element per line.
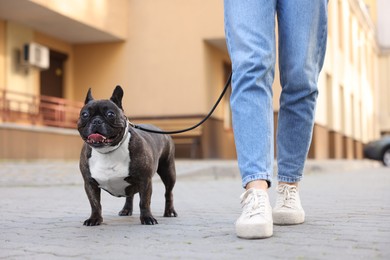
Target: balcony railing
<point>38,110</point>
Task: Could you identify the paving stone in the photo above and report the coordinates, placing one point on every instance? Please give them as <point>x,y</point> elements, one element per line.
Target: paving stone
<point>43,206</point>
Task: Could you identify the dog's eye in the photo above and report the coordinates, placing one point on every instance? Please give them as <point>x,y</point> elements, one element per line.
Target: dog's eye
<point>85,114</point>
<point>110,114</point>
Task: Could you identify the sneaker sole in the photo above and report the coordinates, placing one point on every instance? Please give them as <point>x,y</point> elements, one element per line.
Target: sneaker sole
<point>254,231</point>
<point>288,219</point>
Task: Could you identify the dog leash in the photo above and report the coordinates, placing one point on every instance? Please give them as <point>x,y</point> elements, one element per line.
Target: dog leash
<point>192,127</point>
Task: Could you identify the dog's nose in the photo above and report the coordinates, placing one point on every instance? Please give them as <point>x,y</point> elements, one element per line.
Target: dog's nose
<point>97,121</point>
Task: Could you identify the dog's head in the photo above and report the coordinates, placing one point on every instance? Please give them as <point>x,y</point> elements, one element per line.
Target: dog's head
<point>102,123</point>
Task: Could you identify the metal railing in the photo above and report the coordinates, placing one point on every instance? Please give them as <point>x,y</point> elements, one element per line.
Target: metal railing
<point>31,109</point>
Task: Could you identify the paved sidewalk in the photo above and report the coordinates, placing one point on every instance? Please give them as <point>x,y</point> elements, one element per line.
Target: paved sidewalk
<point>43,205</point>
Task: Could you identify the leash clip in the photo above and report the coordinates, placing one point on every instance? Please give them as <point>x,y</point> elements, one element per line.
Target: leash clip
<point>131,123</point>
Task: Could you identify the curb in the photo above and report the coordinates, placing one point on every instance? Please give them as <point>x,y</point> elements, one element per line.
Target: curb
<point>60,173</point>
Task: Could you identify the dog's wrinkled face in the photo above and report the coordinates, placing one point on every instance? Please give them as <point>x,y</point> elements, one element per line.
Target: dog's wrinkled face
<point>102,123</point>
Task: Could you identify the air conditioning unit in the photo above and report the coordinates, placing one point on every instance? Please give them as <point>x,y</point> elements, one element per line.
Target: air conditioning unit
<point>36,55</point>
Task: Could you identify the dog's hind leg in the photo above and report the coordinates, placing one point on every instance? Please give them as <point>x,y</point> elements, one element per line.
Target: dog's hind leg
<point>128,207</point>
<point>167,172</point>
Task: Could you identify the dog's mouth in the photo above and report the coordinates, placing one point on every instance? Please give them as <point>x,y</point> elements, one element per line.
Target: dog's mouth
<point>98,139</point>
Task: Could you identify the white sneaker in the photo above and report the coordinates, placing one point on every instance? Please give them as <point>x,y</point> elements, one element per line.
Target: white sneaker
<point>256,218</point>
<point>288,209</point>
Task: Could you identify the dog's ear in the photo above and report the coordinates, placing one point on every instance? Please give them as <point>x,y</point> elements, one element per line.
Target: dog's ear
<point>117,96</point>
<point>89,97</point>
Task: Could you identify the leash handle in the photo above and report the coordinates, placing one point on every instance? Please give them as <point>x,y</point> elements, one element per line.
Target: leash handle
<point>194,126</point>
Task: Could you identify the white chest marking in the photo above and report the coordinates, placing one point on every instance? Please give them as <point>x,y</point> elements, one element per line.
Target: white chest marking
<point>110,169</point>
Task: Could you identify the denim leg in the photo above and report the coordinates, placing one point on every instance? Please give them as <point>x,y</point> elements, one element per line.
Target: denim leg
<point>250,37</point>
<point>302,42</point>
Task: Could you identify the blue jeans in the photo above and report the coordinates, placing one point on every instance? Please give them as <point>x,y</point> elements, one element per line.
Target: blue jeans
<point>250,37</point>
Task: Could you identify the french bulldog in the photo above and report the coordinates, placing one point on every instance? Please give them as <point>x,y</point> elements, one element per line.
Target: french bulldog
<point>122,160</point>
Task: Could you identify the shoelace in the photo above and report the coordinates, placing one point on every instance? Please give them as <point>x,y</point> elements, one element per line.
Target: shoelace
<point>289,193</point>
<point>253,204</point>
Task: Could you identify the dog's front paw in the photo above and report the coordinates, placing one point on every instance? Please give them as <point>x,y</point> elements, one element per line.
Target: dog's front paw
<point>170,213</point>
<point>93,222</point>
<point>148,220</point>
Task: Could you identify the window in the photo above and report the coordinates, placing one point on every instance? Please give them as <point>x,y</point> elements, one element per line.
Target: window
<point>351,34</point>
<point>329,100</point>
<point>341,23</point>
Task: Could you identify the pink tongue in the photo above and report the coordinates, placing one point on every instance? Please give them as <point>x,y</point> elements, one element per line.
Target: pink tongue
<point>96,138</point>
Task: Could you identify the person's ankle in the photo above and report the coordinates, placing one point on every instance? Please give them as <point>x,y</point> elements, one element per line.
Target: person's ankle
<point>257,184</point>
<point>288,183</point>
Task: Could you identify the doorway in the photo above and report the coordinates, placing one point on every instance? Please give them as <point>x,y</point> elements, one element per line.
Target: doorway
<point>52,79</point>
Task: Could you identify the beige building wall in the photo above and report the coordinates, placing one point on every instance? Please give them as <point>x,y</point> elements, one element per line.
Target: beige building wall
<point>105,15</point>
<point>171,59</point>
<point>17,77</point>
<point>162,65</point>
<point>101,67</point>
